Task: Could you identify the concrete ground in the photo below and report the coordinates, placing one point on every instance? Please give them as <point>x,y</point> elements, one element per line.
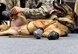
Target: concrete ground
<point>64,45</point>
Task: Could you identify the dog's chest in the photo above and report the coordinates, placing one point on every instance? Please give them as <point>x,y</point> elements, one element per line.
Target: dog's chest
<point>17,22</point>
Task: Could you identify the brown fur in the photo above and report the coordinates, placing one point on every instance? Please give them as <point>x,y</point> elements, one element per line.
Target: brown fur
<point>20,25</point>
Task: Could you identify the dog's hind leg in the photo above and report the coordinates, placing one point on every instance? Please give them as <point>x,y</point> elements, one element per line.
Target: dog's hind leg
<point>9,32</point>
<point>3,27</point>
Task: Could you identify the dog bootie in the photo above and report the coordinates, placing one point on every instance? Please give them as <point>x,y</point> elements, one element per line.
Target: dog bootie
<point>53,35</point>
<point>38,33</point>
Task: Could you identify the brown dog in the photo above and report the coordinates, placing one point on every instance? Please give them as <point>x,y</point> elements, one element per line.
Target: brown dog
<point>20,25</point>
